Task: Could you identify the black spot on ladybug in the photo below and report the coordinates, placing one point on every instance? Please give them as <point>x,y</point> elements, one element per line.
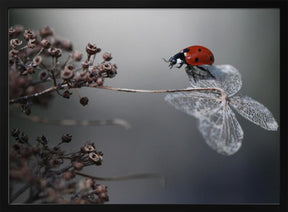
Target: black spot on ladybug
<point>196,59</point>
<point>211,57</point>
<point>186,50</point>
<point>199,50</point>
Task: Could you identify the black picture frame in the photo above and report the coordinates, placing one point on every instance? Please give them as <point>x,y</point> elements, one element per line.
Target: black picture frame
<point>6,5</point>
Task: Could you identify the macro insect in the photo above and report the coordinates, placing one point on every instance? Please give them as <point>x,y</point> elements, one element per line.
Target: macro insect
<point>194,57</point>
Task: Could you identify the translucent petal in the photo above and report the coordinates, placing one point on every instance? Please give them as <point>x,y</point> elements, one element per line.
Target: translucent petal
<point>197,104</point>
<point>226,77</point>
<point>254,112</point>
<point>221,131</point>
<point>217,122</point>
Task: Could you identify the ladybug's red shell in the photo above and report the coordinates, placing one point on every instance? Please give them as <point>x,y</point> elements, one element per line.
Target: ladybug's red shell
<point>198,55</point>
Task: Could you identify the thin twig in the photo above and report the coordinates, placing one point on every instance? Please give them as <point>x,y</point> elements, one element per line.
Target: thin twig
<point>127,177</point>
<point>22,98</point>
<point>217,90</point>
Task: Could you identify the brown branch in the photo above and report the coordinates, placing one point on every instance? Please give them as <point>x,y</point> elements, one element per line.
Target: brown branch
<point>22,98</point>
<point>54,88</point>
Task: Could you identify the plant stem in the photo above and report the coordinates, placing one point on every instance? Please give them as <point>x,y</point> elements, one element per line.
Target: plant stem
<point>22,98</point>
<point>217,90</point>
<point>127,177</point>
<point>48,90</point>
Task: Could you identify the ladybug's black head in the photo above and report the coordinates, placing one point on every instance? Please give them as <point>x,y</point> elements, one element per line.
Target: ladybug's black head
<point>177,58</point>
<point>172,61</point>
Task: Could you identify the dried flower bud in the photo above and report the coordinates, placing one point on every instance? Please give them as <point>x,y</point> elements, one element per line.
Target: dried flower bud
<point>11,31</point>
<point>43,75</point>
<point>92,49</point>
<point>13,53</point>
<point>100,189</point>
<point>31,43</point>
<point>66,45</point>
<point>77,56</point>
<point>84,101</point>
<point>89,147</point>
<point>43,140</point>
<point>68,72</point>
<point>90,77</point>
<point>28,34</point>
<point>68,175</point>
<point>15,132</point>
<point>77,165</point>
<point>54,52</point>
<point>24,138</point>
<point>111,74</point>
<point>107,67</point>
<point>37,60</point>
<point>66,138</point>
<point>103,196</point>
<point>100,81</point>
<point>45,43</point>
<point>67,94</point>
<point>81,76</point>
<point>54,162</point>
<point>15,43</point>
<point>85,184</point>
<point>18,29</point>
<point>95,158</point>
<point>46,31</point>
<point>107,56</point>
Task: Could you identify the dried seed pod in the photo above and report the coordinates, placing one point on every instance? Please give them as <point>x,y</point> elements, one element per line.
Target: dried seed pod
<point>68,175</point>
<point>84,101</point>
<point>77,165</point>
<point>54,52</point>
<point>67,94</point>
<point>77,56</point>
<point>107,67</point>
<point>107,56</point>
<point>31,43</point>
<point>43,75</point>
<point>92,49</point>
<point>65,44</point>
<point>66,138</point>
<point>99,81</point>
<point>28,34</point>
<point>46,31</point>
<point>89,147</point>
<point>45,43</point>
<point>37,60</point>
<point>100,189</point>
<point>94,157</point>
<point>11,31</point>
<point>15,43</point>
<point>68,72</point>
<point>81,76</point>
<point>13,53</point>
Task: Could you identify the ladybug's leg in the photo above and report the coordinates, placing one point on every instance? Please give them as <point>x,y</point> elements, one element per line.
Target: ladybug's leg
<point>180,65</point>
<point>190,70</point>
<point>206,70</point>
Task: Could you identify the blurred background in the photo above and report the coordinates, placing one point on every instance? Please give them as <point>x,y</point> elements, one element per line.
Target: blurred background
<point>163,140</point>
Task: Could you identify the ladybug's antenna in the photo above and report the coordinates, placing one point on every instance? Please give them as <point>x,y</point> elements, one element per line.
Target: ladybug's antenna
<point>167,61</point>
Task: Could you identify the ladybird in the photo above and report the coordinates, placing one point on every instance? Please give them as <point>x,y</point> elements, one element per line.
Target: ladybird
<point>193,56</point>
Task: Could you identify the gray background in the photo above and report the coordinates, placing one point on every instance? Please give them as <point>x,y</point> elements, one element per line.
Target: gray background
<point>163,140</point>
